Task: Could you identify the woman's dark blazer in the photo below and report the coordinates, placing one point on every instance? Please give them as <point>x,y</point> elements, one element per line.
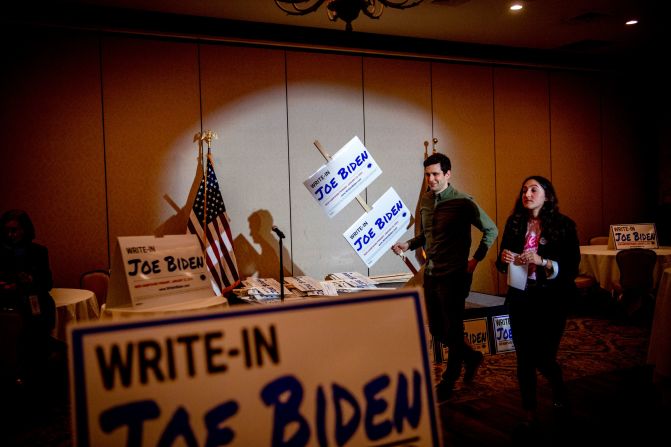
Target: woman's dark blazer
<point>561,245</point>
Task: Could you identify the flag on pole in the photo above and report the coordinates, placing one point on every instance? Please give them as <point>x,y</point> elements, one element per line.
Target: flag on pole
<point>209,221</point>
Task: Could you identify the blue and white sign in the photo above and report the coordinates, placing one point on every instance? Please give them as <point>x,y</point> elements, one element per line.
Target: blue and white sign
<point>503,334</point>
<point>349,172</point>
<point>373,234</point>
<point>339,371</point>
<point>642,235</point>
<point>152,271</point>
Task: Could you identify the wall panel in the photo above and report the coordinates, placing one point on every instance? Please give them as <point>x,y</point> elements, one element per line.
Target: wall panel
<point>152,112</point>
<point>627,167</point>
<point>52,161</point>
<point>463,125</point>
<point>397,107</point>
<point>246,106</point>
<point>575,120</point>
<point>324,103</point>
<point>522,135</point>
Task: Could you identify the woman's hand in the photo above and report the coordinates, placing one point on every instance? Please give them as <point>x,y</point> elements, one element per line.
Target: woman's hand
<point>508,257</point>
<point>530,257</point>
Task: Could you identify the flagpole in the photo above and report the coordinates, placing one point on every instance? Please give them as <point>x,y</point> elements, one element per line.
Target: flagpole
<point>208,136</point>
<point>212,227</point>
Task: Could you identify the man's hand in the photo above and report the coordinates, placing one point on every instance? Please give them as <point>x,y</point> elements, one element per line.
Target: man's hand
<point>472,263</point>
<point>400,247</point>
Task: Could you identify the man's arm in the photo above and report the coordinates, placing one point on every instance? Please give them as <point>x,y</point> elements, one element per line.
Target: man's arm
<point>489,233</point>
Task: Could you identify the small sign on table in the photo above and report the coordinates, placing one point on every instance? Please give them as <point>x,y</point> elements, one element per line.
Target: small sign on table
<point>643,235</point>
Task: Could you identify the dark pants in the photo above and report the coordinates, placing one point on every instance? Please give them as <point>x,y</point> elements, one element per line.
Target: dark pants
<point>537,320</point>
<point>445,298</point>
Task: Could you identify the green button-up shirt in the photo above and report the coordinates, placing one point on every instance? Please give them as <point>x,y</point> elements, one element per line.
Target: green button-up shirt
<point>447,218</point>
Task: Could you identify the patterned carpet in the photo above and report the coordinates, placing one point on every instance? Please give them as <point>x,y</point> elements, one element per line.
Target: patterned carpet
<point>590,346</point>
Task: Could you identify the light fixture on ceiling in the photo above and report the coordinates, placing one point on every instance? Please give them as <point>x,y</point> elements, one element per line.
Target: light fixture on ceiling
<point>345,10</point>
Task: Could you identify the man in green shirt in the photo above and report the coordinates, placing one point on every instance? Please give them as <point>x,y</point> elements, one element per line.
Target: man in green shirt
<point>447,216</point>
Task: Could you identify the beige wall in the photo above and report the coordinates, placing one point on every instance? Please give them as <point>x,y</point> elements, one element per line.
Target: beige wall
<point>98,136</point>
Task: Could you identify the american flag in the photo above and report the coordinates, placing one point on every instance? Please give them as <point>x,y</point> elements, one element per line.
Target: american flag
<point>216,240</point>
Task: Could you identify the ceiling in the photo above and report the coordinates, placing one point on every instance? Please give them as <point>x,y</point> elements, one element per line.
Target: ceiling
<point>576,26</point>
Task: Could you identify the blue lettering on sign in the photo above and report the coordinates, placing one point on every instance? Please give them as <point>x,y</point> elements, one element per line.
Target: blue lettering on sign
<point>325,190</point>
<point>145,267</point>
<point>133,415</point>
<point>191,263</point>
<point>364,240</point>
<point>352,166</point>
<point>382,221</point>
<point>503,333</point>
<point>377,414</point>
<point>644,236</point>
<point>285,395</point>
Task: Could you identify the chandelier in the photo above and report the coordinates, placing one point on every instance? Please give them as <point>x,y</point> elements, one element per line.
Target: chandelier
<point>345,10</point>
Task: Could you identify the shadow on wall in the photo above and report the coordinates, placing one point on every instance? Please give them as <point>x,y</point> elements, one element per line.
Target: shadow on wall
<point>266,262</point>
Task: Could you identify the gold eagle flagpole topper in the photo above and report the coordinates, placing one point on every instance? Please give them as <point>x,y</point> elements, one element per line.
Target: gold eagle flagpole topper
<point>207,137</point>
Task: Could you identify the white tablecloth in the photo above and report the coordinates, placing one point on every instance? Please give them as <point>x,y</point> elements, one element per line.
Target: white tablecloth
<point>209,303</point>
<point>73,305</point>
<point>599,261</point>
<point>659,352</point>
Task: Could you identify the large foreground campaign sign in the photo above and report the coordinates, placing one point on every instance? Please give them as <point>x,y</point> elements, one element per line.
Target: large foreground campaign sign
<point>346,175</point>
<point>346,371</point>
<point>373,234</point>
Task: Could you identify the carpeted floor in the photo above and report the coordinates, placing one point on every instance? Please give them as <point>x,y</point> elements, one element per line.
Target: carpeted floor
<point>590,346</point>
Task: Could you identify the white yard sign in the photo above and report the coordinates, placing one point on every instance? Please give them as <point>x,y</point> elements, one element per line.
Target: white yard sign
<point>642,235</point>
<point>151,271</point>
<point>345,176</point>
<point>347,371</point>
<point>376,231</point>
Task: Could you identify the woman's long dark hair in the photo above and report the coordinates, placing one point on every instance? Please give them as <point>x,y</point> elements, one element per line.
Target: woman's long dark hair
<point>23,219</point>
<point>548,213</point>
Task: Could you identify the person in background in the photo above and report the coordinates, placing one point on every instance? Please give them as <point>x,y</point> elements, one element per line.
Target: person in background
<point>537,236</point>
<point>447,216</point>
<point>25,282</point>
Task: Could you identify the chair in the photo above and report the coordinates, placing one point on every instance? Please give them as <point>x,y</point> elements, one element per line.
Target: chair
<point>97,281</point>
<point>634,291</point>
<point>587,287</point>
<point>598,240</point>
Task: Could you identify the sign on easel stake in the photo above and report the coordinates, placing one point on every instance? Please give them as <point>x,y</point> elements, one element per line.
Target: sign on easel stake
<point>343,178</point>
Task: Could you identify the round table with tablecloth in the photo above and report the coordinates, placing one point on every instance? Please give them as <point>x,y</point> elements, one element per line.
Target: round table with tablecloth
<point>201,304</point>
<point>73,305</point>
<point>599,261</point>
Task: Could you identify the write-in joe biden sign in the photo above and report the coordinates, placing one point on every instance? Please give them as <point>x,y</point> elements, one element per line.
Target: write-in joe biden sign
<point>345,371</point>
<point>373,234</point>
<point>340,180</point>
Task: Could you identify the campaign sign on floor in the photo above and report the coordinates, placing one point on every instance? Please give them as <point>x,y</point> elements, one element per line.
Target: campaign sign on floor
<point>503,334</point>
<point>373,234</point>
<point>345,371</point>
<point>345,176</point>
<point>475,331</point>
